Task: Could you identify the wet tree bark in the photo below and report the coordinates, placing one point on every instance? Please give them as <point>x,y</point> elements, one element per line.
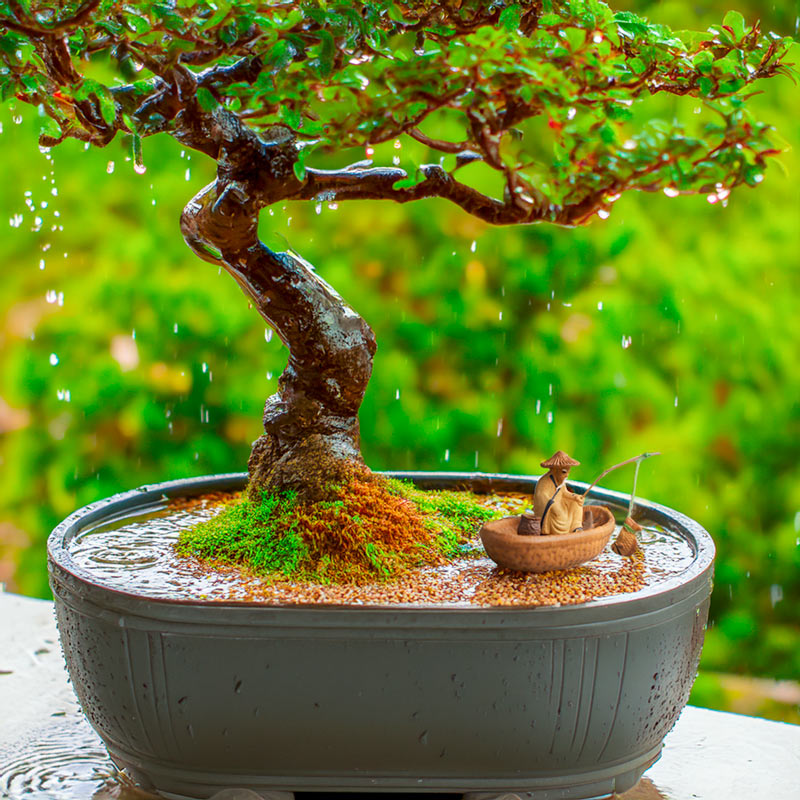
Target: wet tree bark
<point>311,432</point>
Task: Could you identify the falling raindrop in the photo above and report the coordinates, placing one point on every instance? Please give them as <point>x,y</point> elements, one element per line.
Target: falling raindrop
<point>15,221</point>
<point>41,263</point>
<point>499,426</point>
<point>676,401</point>
<point>600,306</point>
<point>175,328</point>
<point>626,341</point>
<point>268,334</point>
<point>397,144</point>
<point>538,406</point>
<point>397,395</point>
<point>187,174</point>
<point>53,359</point>
<point>110,167</point>
<point>205,367</point>
<point>549,417</point>
<point>318,208</point>
<point>446,455</point>
<point>269,375</point>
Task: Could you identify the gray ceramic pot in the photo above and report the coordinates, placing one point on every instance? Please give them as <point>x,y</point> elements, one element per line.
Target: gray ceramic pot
<point>563,702</point>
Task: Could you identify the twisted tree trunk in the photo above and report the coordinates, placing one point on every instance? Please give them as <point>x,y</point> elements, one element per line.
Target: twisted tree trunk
<point>311,432</point>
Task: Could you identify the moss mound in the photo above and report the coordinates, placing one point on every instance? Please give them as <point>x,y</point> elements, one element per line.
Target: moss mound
<point>372,529</point>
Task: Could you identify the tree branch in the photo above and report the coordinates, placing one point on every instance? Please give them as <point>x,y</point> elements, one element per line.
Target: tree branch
<point>379,184</point>
<point>23,24</point>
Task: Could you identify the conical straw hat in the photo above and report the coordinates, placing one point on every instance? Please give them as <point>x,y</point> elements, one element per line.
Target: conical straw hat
<point>560,459</point>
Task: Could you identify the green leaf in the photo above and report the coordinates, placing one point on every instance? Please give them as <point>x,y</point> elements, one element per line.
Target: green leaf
<point>280,55</point>
<point>736,22</point>
<point>326,52</point>
<point>290,116</point>
<point>706,85</point>
<point>299,166</point>
<point>510,17</point>
<point>49,127</point>
<point>206,99</point>
<point>108,108</point>
<point>138,24</point>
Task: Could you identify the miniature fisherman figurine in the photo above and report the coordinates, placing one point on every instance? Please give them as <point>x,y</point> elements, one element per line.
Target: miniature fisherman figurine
<point>560,510</point>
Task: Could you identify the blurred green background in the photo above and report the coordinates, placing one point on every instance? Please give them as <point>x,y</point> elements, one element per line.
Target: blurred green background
<point>673,326</point>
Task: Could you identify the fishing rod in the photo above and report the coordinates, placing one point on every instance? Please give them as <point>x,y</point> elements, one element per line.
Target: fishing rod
<point>638,459</point>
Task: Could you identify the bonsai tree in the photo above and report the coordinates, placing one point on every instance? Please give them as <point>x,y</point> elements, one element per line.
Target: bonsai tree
<point>532,112</point>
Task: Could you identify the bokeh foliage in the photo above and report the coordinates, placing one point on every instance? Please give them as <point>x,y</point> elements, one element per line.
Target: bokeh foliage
<point>672,326</point>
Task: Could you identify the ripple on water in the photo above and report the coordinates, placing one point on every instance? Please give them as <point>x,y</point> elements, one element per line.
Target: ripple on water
<point>63,761</point>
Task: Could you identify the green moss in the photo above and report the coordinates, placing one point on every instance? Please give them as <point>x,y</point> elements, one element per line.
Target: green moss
<point>263,536</point>
<point>375,530</point>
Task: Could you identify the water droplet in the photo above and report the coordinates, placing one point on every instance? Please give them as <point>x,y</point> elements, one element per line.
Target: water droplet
<point>538,406</point>
<point>397,395</point>
<point>51,296</point>
<point>671,191</point>
<point>626,341</point>
<point>53,359</point>
<point>41,263</point>
<point>499,426</point>
<point>676,401</point>
<point>205,367</point>
<point>474,246</point>
<point>318,208</point>
<point>397,144</point>
<point>188,174</point>
<point>139,168</point>
<point>603,213</point>
<point>269,375</point>
<point>600,306</point>
<point>268,334</point>
<point>175,328</point>
<point>549,417</point>
<point>597,38</point>
<point>110,167</point>
<point>15,221</point>
<point>447,458</point>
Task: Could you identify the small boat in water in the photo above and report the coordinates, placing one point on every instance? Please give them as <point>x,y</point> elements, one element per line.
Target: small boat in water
<point>510,550</point>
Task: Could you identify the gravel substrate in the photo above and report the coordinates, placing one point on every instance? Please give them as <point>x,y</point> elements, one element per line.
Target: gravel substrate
<point>468,581</point>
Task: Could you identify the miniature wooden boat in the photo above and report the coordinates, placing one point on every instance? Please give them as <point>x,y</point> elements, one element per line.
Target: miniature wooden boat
<point>544,553</point>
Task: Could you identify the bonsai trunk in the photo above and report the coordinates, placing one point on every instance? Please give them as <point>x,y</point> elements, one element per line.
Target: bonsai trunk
<point>311,433</point>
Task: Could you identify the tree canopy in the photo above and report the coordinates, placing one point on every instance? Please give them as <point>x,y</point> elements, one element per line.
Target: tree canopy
<point>552,95</point>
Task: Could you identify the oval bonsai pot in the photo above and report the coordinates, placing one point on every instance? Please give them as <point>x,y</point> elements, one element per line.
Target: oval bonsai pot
<point>191,697</point>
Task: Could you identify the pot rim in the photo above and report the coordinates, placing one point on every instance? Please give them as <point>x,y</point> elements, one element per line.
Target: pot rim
<point>694,577</point>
